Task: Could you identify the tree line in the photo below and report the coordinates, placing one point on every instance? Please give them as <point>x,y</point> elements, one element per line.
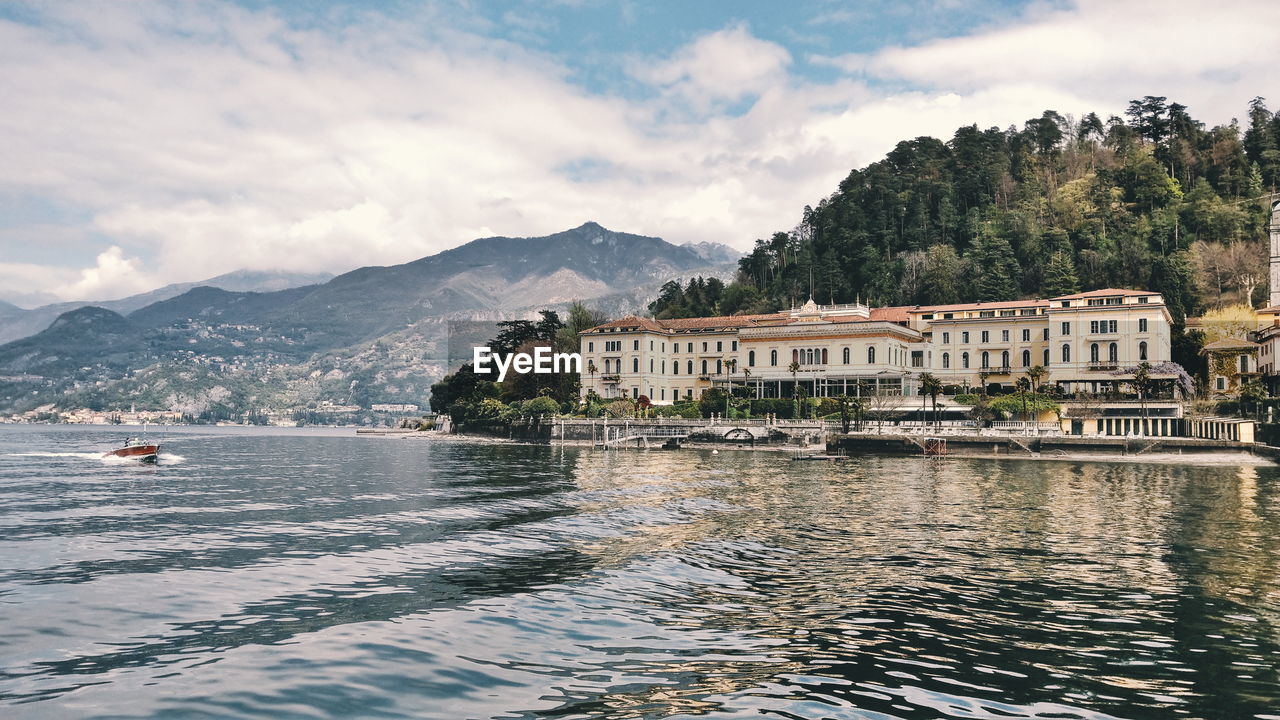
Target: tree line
<point>477,400</point>
<point>1152,200</point>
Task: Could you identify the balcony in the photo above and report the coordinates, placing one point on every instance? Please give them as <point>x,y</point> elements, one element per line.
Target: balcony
<point>611,378</point>
<point>1103,364</point>
<point>998,370</point>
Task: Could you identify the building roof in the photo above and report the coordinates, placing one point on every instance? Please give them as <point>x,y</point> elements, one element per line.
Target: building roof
<point>1106,292</point>
<point>1230,344</point>
<point>1005,304</point>
<point>899,314</point>
<point>895,314</point>
<point>722,322</point>
<point>630,321</point>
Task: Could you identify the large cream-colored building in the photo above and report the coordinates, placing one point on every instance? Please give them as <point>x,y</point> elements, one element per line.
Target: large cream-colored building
<point>1088,343</point>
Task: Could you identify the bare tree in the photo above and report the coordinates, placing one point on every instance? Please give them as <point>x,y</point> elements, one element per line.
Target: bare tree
<point>886,406</point>
<point>1246,264</point>
<point>1211,266</point>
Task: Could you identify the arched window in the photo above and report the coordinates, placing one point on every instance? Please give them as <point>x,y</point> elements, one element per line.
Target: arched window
<point>795,356</point>
<point>751,358</point>
<point>1004,359</point>
<point>718,367</point>
<point>1026,358</point>
<point>845,356</point>
<point>1113,352</point>
<point>773,357</point>
<point>946,360</point>
<point>675,367</point>
<point>986,360</point>
<point>808,356</point>
<point>1142,350</point>
<point>1046,357</point>
<point>964,360</point>
<point>1093,352</point>
<point>689,368</point>
<point>704,367</point>
<point>1066,353</point>
<point>824,356</point>
<point>871,355</point>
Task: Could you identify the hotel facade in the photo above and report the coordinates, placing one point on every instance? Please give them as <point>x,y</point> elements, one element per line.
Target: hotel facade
<point>1088,343</point>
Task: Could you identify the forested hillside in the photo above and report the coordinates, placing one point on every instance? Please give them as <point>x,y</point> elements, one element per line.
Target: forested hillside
<point>1153,200</point>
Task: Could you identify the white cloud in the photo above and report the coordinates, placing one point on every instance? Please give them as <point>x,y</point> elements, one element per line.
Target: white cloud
<point>1212,59</point>
<point>208,138</point>
<point>723,65</point>
<point>113,275</point>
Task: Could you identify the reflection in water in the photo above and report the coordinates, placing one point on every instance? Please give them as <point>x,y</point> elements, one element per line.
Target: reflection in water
<point>296,576</point>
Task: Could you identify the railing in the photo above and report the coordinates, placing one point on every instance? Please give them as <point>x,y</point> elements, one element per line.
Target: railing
<point>1103,364</point>
<point>1104,399</point>
<point>1023,425</point>
<point>611,378</point>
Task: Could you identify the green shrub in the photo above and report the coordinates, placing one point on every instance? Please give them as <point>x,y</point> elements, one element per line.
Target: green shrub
<point>541,405</point>
<point>690,411</point>
<point>782,407</point>
<point>1012,405</point>
<point>966,399</point>
<point>712,401</point>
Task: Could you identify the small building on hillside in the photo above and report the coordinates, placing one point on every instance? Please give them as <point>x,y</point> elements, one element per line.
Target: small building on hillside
<point>1232,363</point>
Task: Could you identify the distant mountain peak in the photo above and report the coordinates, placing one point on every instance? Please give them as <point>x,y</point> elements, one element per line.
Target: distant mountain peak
<point>88,315</point>
<point>713,251</point>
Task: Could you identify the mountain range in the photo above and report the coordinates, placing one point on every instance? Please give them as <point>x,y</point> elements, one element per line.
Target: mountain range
<point>375,334</point>
<point>16,322</point>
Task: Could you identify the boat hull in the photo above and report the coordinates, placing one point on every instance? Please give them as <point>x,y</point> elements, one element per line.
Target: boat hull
<point>141,453</point>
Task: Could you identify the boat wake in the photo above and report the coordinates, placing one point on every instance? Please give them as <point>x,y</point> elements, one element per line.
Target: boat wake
<point>81,455</point>
<point>105,459</point>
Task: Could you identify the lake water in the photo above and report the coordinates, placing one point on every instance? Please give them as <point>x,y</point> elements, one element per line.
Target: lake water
<point>323,575</point>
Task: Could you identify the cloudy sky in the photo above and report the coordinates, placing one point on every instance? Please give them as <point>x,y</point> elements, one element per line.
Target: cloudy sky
<point>144,143</point>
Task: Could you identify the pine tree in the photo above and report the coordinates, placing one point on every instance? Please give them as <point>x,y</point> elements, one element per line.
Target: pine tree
<point>994,267</point>
<point>1060,276</point>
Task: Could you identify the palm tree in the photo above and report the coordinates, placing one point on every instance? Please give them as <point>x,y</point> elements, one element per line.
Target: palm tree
<point>1023,384</point>
<point>794,367</point>
<point>1036,376</point>
<point>983,376</point>
<point>931,387</point>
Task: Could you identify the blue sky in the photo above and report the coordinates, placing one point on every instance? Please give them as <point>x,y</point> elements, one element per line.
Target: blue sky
<point>165,140</point>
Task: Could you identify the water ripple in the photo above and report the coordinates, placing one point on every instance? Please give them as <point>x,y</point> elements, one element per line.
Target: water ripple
<point>296,576</point>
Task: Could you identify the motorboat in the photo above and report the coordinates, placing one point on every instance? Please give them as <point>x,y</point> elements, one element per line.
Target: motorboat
<point>137,449</point>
